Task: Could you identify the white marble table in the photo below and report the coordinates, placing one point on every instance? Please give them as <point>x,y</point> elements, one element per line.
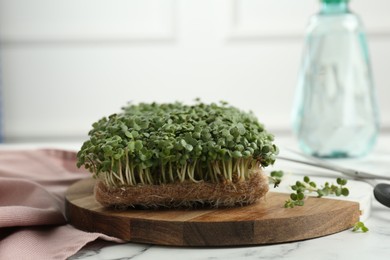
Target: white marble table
<point>374,244</point>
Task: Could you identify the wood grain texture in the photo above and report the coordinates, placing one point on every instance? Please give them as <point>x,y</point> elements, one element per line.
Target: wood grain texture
<point>266,222</point>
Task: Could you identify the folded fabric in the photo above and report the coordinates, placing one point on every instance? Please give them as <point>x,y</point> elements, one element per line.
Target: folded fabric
<point>32,205</point>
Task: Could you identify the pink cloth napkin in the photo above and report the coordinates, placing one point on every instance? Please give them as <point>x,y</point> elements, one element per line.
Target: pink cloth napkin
<point>32,221</point>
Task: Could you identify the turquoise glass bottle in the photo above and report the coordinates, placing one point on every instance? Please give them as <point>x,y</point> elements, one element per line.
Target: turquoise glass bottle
<point>335,111</point>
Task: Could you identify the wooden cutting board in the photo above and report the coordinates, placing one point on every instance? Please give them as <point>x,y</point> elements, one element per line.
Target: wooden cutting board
<point>265,222</point>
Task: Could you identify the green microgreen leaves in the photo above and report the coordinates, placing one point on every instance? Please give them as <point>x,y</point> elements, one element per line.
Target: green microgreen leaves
<point>338,190</point>
<point>300,188</point>
<point>134,146</point>
<point>186,146</point>
<point>360,227</point>
<point>276,178</point>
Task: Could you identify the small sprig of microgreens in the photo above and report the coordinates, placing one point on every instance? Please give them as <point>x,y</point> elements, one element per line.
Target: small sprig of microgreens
<point>275,178</point>
<point>360,227</point>
<point>307,186</point>
<point>297,198</point>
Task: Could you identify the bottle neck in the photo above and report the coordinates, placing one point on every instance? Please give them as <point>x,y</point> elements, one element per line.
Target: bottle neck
<point>334,8</point>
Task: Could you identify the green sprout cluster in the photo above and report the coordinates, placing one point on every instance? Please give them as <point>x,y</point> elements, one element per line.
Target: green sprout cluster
<point>167,143</point>
<point>360,227</point>
<point>307,186</point>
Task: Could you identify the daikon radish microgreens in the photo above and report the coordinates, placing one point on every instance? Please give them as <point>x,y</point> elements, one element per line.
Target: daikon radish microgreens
<point>297,198</point>
<point>168,143</point>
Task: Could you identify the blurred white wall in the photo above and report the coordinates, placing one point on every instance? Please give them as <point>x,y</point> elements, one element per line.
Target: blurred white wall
<point>66,63</point>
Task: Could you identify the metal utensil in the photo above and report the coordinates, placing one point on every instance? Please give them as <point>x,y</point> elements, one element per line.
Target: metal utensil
<point>381,190</point>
